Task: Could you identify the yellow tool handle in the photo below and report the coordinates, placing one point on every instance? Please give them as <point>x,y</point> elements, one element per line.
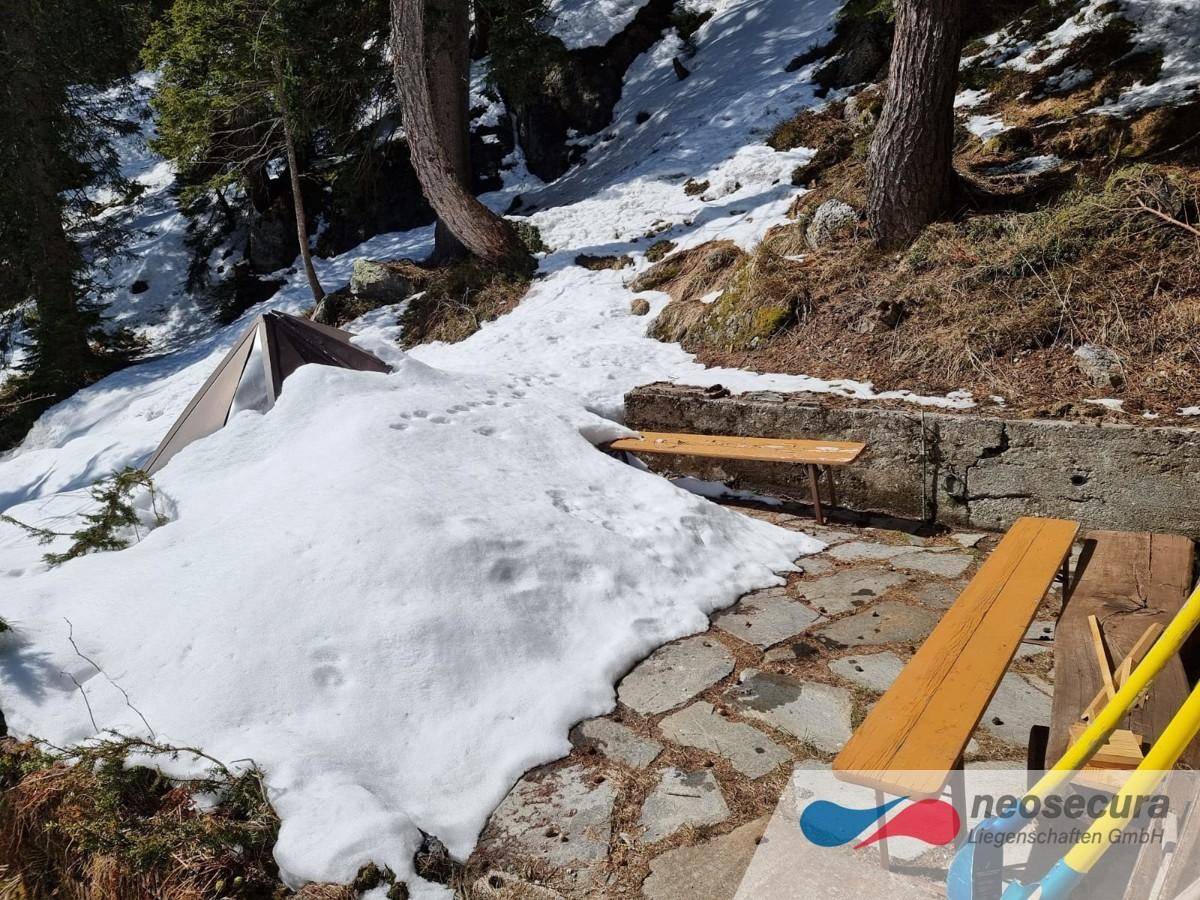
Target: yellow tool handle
<point>1096,734</point>
<point>1176,737</point>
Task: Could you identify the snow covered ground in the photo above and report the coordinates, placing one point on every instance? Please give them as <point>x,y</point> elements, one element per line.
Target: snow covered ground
<point>395,593</point>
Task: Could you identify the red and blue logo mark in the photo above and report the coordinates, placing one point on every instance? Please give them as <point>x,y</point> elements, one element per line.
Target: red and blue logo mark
<point>829,824</point>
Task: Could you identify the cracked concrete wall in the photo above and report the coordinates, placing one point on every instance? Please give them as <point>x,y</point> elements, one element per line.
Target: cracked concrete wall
<point>960,470</point>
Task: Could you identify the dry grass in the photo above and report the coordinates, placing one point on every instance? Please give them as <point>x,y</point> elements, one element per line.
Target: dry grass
<point>85,826</point>
<point>991,302</point>
<point>455,300</point>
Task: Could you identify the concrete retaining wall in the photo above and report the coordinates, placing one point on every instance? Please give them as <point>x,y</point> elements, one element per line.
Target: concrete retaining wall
<point>961,470</point>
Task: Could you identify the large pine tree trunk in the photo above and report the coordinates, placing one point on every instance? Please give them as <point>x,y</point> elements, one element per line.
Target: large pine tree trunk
<point>910,171</point>
<point>485,234</point>
<point>448,65</point>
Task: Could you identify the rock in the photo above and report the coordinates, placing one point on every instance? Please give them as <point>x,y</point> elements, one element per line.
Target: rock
<point>948,565</point>
<point>860,550</point>
<point>639,306</point>
<point>693,188</point>
<point>1019,704</point>
<point>1038,639</point>
<point>271,242</point>
<point>708,871</point>
<point>859,52</point>
<point>967,541</point>
<point>816,565</point>
<point>832,218</point>
<point>884,623</point>
<point>749,750</point>
<point>616,741</point>
<point>825,533</point>
<point>681,71</point>
<point>562,817</point>
<point>682,798</point>
<point>875,671</point>
<point>378,282</point>
<point>884,316</point>
<point>327,310</point>
<point>1101,366</point>
<point>937,595</point>
<point>765,619</point>
<point>139,287</point>
<point>817,714</point>
<point>597,263</point>
<point>844,590</point>
<point>674,674</point>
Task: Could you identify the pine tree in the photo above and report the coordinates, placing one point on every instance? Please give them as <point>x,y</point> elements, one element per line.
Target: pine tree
<point>246,82</point>
<point>429,54</point>
<point>910,174</point>
<point>54,146</point>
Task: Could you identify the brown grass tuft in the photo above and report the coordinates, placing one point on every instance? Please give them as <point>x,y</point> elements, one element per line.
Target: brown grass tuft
<point>456,299</point>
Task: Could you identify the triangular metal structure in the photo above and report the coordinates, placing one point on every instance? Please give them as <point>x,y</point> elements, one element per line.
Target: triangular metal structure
<point>252,374</point>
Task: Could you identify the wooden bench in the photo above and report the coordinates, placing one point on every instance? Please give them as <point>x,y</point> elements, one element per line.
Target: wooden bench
<point>817,456</point>
<point>913,739</point>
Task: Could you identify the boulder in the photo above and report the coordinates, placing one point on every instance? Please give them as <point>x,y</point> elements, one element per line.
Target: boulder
<point>832,218</point>
<point>1101,366</point>
<point>379,282</point>
<point>639,306</point>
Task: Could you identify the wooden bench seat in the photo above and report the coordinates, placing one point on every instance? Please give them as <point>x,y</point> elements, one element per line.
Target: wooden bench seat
<point>914,737</point>
<point>815,455</point>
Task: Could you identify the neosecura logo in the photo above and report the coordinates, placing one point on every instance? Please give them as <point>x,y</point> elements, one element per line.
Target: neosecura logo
<point>829,824</point>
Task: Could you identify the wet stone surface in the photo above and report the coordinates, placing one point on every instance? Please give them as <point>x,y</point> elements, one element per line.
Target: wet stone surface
<point>815,713</point>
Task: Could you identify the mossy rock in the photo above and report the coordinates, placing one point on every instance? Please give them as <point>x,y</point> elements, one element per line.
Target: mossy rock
<point>753,308</point>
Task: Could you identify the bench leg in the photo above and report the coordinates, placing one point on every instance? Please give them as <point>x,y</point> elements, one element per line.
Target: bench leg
<point>832,486</point>
<point>815,488</point>
<point>958,795</point>
<point>885,858</point>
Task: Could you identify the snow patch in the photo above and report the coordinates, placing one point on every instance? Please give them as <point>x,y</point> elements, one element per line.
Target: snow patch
<point>590,23</point>
<point>393,632</point>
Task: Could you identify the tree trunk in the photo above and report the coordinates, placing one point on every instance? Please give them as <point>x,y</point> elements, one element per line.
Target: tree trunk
<point>910,171</point>
<point>448,67</point>
<point>289,139</point>
<point>485,234</point>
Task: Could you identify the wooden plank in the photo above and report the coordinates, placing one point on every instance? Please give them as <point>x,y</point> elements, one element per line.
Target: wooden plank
<point>1132,658</point>
<point>822,453</point>
<point>1128,581</point>
<point>1102,661</point>
<point>911,739</point>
